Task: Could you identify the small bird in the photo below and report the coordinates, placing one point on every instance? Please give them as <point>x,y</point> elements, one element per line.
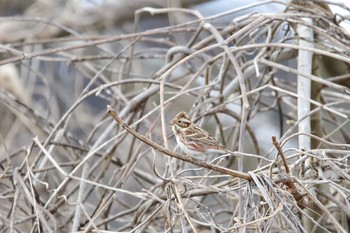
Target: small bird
<point>192,139</point>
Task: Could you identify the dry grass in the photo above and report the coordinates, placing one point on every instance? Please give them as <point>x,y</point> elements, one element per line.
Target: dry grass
<point>272,86</point>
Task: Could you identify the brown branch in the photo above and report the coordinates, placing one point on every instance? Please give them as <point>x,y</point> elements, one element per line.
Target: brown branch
<point>280,152</point>
<point>188,159</point>
<point>297,195</point>
<point>292,188</point>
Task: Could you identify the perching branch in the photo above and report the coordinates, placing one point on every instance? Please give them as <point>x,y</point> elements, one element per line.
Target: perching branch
<point>188,159</point>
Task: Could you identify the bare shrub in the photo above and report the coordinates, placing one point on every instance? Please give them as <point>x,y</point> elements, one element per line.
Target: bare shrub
<point>273,87</point>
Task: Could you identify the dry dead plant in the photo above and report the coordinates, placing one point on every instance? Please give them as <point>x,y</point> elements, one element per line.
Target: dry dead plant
<point>272,86</point>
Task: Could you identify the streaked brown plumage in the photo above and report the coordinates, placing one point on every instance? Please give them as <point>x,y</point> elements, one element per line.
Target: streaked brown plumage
<point>192,139</point>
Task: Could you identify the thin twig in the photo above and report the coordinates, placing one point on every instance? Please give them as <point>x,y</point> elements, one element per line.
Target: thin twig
<point>280,152</point>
